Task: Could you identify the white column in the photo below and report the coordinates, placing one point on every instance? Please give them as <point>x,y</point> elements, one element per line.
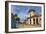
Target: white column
<point>38,20</point>
<point>35,20</point>
<point>28,21</point>
<point>31,20</point>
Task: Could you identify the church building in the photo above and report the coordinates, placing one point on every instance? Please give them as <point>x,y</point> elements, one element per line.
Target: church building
<point>33,18</point>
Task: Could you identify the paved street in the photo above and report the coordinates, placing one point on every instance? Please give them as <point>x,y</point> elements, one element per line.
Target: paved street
<point>27,26</point>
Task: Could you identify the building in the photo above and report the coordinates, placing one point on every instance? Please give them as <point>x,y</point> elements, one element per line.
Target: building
<point>33,18</point>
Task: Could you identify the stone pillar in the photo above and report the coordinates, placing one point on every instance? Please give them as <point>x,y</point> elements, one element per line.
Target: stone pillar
<point>35,20</point>
<point>38,20</point>
<point>31,20</point>
<point>28,21</point>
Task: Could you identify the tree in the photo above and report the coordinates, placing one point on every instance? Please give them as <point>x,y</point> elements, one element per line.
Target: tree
<point>15,21</point>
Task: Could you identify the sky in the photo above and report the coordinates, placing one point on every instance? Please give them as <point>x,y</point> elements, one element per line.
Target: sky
<point>22,11</point>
